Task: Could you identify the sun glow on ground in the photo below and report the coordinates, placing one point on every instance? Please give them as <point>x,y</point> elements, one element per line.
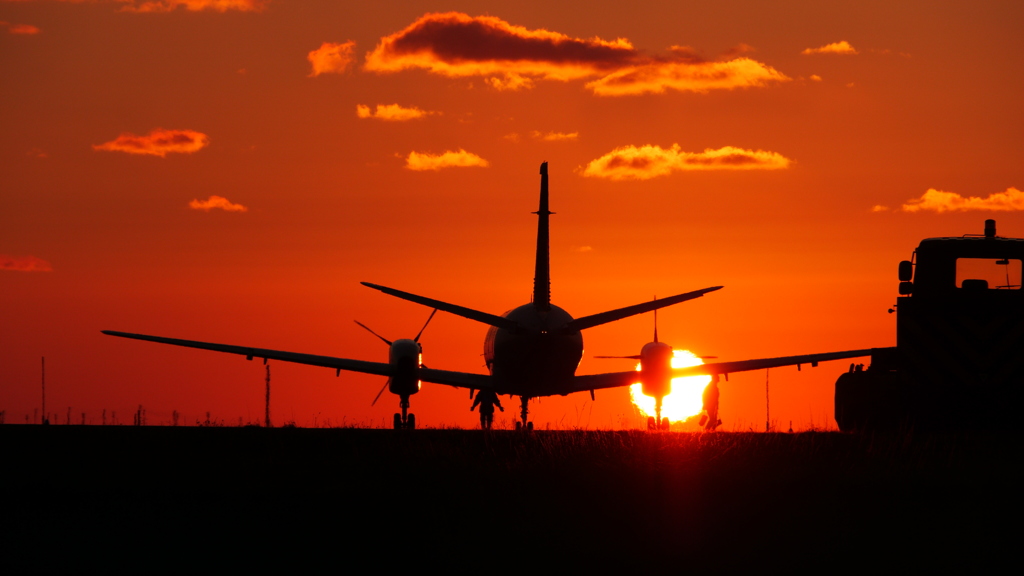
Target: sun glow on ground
<point>686,399</point>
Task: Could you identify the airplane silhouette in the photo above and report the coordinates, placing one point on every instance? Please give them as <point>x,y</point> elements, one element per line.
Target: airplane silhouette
<point>531,351</point>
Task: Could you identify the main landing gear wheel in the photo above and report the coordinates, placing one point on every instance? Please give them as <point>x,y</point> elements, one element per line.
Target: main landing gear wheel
<point>405,419</point>
<point>650,422</point>
<point>410,422</point>
<point>665,425</point>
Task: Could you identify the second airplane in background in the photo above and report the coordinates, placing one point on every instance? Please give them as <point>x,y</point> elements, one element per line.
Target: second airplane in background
<point>531,351</point>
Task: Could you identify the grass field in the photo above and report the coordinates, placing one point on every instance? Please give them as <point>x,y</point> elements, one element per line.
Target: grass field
<point>200,498</point>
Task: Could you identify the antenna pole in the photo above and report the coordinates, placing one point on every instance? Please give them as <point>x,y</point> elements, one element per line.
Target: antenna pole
<point>767,403</point>
<point>45,419</point>
<point>266,420</point>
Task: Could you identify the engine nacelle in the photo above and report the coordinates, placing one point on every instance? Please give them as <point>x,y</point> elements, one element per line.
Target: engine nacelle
<point>656,369</point>
<point>405,356</point>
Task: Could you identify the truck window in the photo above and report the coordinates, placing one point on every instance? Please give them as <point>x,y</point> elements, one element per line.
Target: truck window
<point>988,273</point>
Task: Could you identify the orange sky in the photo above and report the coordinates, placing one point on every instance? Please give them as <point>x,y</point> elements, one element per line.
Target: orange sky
<point>230,171</point>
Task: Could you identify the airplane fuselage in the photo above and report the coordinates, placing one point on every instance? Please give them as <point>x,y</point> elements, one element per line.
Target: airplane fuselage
<point>538,359</point>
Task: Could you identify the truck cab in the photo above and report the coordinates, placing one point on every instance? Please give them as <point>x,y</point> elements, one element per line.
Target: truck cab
<point>959,355</point>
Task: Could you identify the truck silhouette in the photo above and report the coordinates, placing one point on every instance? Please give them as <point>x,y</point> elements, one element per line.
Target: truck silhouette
<point>959,355</point>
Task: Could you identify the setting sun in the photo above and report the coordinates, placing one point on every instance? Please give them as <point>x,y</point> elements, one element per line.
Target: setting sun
<point>686,399</point>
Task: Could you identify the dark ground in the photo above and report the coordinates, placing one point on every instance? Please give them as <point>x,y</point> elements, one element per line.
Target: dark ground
<point>157,498</point>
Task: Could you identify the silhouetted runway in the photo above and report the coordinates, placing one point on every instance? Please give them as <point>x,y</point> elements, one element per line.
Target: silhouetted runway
<point>150,498</point>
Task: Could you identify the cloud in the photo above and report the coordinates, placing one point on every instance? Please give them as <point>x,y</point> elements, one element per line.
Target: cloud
<point>934,200</point>
<point>512,57</point>
<point>216,202</point>
<point>555,136</point>
<point>424,161</point>
<point>392,112</point>
<point>583,249</point>
<point>331,58</point>
<point>188,5</point>
<point>645,162</point>
<point>193,5</point>
<point>24,264</point>
<point>657,77</point>
<point>455,44</point>
<point>19,28</point>
<point>841,47</point>
<point>815,78</point>
<point>159,142</point>
<point>879,208</point>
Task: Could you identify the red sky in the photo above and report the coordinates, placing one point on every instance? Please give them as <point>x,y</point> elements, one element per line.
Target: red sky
<point>230,173</point>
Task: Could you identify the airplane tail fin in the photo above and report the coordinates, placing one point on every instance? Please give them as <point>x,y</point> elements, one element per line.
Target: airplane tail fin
<point>542,271</point>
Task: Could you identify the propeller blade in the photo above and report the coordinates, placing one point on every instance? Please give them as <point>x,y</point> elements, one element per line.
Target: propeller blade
<point>637,357</point>
<point>381,392</point>
<point>417,338</point>
<point>386,341</point>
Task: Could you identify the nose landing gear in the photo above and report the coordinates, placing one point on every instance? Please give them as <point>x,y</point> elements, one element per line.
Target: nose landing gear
<point>656,422</point>
<point>524,411</point>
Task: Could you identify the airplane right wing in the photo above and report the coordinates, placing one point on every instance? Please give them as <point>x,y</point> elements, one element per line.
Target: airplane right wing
<point>619,379</point>
<point>762,363</point>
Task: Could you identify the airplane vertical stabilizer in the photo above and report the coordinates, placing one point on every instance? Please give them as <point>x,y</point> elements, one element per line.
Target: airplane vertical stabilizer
<point>542,272</point>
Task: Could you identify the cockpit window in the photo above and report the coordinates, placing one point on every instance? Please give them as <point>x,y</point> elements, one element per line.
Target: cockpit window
<point>988,273</point>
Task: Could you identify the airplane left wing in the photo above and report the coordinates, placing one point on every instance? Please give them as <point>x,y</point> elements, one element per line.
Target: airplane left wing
<point>379,368</point>
<point>446,377</point>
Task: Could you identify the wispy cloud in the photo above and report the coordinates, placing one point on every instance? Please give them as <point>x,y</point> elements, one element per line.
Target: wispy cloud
<point>555,136</point>
<point>192,5</point>
<point>645,162</point>
<point>657,77</point>
<point>331,58</point>
<point>1010,200</point>
<point>511,57</point>
<point>24,264</point>
<point>841,47</point>
<point>159,142</point>
<point>426,161</point>
<point>19,28</point>
<point>392,112</point>
<point>216,202</point>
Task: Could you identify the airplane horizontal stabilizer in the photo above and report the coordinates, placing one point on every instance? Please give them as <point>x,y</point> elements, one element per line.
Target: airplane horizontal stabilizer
<point>613,315</point>
<point>378,368</point>
<point>763,363</point>
<point>483,317</point>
